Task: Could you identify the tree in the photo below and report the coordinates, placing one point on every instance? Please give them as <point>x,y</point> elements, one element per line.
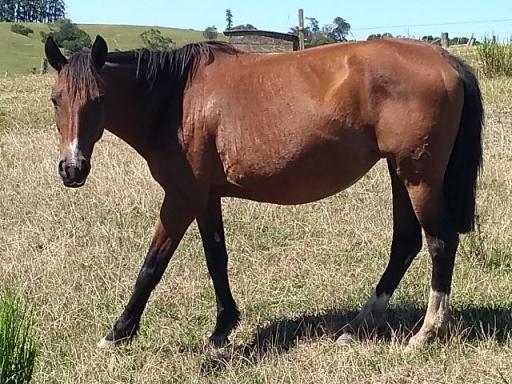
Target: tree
<point>459,40</point>
<point>429,38</point>
<point>210,33</point>
<point>153,39</point>
<point>314,25</point>
<point>339,30</point>
<point>42,11</point>
<point>319,39</point>
<point>35,11</point>
<point>22,10</point>
<point>229,19</point>
<point>314,35</point>
<point>3,10</point>
<point>9,10</point>
<point>56,10</point>
<point>244,27</point>
<point>330,33</point>
<point>378,36</point>
<point>69,36</point>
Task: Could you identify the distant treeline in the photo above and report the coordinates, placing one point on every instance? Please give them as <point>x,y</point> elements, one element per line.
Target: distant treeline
<point>32,11</point>
<point>427,38</point>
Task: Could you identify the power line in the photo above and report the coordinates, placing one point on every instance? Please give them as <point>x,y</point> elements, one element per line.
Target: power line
<point>433,24</point>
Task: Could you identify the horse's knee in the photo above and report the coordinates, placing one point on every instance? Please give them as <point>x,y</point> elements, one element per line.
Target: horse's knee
<point>442,246</point>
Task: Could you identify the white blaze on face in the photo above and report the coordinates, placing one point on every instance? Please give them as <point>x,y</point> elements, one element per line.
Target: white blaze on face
<point>72,154</point>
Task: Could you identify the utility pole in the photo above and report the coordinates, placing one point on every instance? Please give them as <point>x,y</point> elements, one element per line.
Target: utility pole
<point>445,41</point>
<point>301,29</point>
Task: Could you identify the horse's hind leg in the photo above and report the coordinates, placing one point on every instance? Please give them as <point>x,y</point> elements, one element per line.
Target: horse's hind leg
<point>405,246</point>
<point>212,235</point>
<point>442,239</point>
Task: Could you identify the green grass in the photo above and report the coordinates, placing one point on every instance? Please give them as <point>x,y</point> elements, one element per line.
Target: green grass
<point>17,345</point>
<point>295,271</point>
<point>22,55</point>
<point>495,59</point>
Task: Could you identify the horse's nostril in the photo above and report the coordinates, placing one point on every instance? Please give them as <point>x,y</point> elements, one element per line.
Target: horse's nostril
<point>84,166</point>
<point>72,171</point>
<point>61,167</point>
<point>74,174</point>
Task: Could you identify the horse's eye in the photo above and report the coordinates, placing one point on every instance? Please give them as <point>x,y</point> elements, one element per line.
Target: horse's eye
<point>100,99</point>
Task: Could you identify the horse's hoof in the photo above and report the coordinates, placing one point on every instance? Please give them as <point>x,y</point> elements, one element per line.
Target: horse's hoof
<point>218,341</point>
<point>107,345</point>
<point>417,343</point>
<point>345,339</point>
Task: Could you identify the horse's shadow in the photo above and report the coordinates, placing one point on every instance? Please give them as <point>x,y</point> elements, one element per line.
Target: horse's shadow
<point>472,322</point>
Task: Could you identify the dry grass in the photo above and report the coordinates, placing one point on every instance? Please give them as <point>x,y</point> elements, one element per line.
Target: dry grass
<point>75,254</point>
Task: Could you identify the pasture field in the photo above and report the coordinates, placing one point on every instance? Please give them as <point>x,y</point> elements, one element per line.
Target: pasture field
<point>21,54</point>
<point>295,271</point>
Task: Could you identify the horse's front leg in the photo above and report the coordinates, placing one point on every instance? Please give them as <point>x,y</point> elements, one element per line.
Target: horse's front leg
<point>212,233</point>
<point>172,224</point>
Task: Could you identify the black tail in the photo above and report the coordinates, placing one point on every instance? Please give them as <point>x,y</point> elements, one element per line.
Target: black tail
<point>466,158</point>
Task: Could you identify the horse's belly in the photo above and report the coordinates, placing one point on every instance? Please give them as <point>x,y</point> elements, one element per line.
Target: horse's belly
<point>309,176</point>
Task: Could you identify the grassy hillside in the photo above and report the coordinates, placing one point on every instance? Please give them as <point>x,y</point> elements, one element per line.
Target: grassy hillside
<point>20,54</point>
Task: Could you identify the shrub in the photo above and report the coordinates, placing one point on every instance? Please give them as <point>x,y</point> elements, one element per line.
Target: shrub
<point>153,39</point>
<point>17,346</point>
<point>69,36</point>
<point>495,59</point>
<point>210,33</point>
<point>319,39</point>
<point>20,29</point>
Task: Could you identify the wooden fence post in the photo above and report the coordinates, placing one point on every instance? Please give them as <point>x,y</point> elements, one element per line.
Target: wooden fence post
<point>445,41</point>
<point>44,66</point>
<point>301,29</point>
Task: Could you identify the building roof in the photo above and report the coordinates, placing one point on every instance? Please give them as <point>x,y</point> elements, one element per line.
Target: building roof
<point>257,32</point>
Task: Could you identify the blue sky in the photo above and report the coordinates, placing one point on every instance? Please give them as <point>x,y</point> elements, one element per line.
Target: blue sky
<point>404,17</point>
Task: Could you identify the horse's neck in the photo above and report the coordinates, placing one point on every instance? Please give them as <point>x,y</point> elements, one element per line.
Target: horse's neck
<point>126,114</point>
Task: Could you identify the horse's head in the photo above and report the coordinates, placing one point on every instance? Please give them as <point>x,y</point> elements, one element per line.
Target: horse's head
<point>78,100</point>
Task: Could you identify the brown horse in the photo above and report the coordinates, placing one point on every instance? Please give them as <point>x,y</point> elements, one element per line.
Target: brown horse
<point>292,128</point>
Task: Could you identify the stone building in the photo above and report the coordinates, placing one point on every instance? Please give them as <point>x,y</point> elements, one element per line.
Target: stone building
<point>262,41</point>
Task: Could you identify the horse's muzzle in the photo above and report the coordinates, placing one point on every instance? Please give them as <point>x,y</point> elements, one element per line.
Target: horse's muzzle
<point>74,174</point>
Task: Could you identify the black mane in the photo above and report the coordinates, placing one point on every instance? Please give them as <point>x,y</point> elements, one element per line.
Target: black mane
<point>166,67</point>
<point>82,80</point>
<point>173,64</point>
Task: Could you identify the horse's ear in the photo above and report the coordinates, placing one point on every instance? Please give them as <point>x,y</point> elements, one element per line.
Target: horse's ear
<point>99,52</point>
<point>55,57</point>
